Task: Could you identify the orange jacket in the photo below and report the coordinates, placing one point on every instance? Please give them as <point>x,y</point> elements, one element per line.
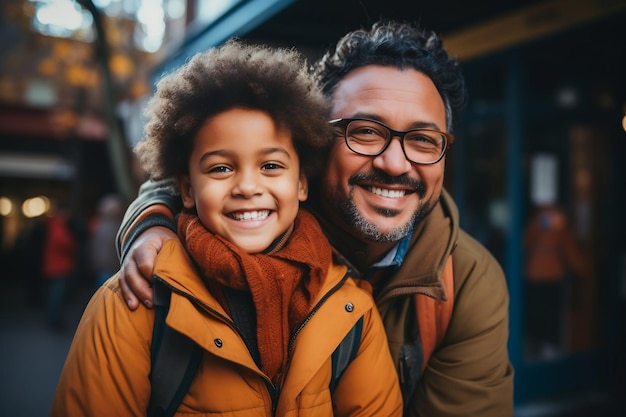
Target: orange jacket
<point>106,371</point>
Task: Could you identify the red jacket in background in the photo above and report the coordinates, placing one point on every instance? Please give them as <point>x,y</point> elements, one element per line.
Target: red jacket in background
<point>59,249</point>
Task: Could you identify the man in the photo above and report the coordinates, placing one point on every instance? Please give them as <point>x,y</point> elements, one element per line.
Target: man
<point>394,94</point>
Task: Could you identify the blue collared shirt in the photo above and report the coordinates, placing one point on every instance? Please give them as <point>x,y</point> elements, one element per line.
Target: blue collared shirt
<point>393,259</point>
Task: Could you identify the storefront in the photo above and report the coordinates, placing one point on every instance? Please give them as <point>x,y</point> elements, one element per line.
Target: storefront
<point>537,171</point>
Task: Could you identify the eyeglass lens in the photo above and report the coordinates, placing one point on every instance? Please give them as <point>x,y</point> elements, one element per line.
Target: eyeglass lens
<point>370,138</point>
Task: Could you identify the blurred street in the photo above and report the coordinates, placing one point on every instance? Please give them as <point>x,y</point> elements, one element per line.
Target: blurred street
<point>31,354</point>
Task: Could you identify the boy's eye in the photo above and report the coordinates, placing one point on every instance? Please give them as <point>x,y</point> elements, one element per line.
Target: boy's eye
<point>220,169</point>
<point>271,166</point>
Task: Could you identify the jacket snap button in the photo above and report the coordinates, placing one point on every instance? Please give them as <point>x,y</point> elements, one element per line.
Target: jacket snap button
<point>349,307</point>
<point>218,342</point>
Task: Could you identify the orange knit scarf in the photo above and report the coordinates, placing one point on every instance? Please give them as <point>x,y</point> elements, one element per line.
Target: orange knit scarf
<point>283,283</point>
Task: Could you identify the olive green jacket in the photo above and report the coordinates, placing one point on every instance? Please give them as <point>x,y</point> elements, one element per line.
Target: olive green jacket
<point>469,373</point>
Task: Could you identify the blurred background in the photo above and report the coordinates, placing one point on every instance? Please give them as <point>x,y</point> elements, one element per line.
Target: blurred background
<point>537,167</point>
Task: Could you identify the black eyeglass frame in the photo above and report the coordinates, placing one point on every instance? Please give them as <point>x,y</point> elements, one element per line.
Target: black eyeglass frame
<point>343,123</point>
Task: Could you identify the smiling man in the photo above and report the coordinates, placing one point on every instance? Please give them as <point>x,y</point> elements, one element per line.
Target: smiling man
<point>379,186</point>
<point>395,93</point>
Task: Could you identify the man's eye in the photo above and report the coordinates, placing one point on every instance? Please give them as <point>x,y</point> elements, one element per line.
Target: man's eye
<point>366,131</point>
<point>422,139</point>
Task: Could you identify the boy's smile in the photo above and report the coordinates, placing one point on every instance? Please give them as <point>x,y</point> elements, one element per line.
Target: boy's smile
<point>246,216</point>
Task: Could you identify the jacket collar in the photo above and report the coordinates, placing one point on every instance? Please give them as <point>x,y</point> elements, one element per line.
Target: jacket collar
<point>174,266</point>
<point>433,240</point>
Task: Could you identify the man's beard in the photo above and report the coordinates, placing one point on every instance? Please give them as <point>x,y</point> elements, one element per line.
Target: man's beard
<point>338,202</point>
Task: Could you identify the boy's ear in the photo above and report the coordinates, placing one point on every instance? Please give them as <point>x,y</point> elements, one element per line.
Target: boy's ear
<point>303,188</point>
<point>186,191</point>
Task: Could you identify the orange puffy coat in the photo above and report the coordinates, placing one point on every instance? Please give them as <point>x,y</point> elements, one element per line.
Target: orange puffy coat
<point>107,368</point>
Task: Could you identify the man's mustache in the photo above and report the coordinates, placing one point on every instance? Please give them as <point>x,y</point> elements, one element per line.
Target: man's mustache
<point>382,178</point>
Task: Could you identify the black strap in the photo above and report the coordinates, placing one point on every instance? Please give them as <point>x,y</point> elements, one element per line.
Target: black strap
<point>242,312</point>
<point>345,352</point>
<point>410,359</point>
<point>174,360</point>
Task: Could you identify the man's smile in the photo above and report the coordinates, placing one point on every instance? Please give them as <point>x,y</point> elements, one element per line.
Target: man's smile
<point>386,192</point>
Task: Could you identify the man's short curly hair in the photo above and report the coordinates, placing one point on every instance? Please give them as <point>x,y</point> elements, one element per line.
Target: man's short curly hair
<point>273,80</point>
<point>400,45</point>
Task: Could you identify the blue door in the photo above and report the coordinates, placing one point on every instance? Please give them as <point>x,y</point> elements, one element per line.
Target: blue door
<point>533,180</point>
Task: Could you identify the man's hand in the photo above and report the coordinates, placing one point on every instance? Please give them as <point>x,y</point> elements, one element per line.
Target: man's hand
<point>136,270</point>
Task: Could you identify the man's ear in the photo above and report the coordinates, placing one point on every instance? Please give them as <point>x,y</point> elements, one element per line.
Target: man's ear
<point>303,188</point>
<point>186,191</point>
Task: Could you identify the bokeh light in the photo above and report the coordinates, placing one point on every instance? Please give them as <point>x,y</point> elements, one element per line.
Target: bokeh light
<point>35,206</point>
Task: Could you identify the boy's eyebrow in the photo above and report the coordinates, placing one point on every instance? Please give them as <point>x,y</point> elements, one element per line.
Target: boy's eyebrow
<point>267,151</point>
<point>218,152</point>
<point>264,151</point>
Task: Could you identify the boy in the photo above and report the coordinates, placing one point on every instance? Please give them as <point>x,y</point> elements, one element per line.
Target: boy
<point>253,281</point>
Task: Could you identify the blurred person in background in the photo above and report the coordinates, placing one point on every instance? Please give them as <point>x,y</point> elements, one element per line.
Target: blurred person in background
<point>58,263</point>
<point>554,266</point>
<point>103,259</point>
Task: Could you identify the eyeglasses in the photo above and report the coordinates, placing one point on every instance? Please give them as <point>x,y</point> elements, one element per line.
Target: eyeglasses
<point>371,138</point>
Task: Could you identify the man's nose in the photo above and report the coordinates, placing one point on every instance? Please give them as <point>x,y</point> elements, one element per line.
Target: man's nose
<point>393,160</point>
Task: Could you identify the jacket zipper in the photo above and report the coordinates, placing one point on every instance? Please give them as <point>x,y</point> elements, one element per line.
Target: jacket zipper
<point>273,389</point>
<point>274,392</point>
<point>330,292</point>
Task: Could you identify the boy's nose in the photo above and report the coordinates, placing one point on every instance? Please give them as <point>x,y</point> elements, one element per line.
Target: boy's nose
<point>247,185</point>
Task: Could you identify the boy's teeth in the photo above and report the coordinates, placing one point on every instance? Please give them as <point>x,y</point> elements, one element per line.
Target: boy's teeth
<point>387,193</point>
<point>251,215</point>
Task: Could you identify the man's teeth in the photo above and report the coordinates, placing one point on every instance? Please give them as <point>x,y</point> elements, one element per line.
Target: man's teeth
<point>387,193</point>
<point>250,215</point>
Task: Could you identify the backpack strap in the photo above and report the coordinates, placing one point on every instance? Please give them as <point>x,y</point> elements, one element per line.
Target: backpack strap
<point>174,360</point>
<point>433,316</point>
<point>345,352</point>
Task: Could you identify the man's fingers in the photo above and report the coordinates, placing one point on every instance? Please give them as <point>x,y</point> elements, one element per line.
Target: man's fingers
<point>131,300</point>
<point>144,257</point>
<point>137,269</point>
<point>140,282</point>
